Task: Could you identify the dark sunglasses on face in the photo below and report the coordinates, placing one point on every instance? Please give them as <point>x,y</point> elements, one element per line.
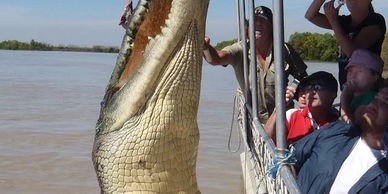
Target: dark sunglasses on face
<point>315,87</point>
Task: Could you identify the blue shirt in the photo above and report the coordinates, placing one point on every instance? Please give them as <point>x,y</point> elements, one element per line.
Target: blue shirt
<point>321,154</point>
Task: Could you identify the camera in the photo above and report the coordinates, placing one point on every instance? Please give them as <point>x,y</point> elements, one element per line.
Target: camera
<point>340,2</point>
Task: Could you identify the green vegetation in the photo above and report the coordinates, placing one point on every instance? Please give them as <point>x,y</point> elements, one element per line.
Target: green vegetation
<point>34,45</point>
<point>223,44</point>
<point>315,46</point>
<point>310,46</point>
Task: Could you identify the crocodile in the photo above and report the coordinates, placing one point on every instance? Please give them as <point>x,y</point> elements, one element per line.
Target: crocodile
<point>146,138</point>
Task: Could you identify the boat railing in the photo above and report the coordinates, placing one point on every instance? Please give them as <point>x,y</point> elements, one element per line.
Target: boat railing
<point>260,151</point>
<point>259,157</point>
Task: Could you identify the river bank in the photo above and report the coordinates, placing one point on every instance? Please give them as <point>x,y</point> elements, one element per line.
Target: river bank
<point>41,46</point>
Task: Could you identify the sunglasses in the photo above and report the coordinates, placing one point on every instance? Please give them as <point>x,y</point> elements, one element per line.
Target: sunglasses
<point>315,87</point>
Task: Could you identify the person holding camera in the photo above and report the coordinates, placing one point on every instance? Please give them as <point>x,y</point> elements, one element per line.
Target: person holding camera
<point>319,90</point>
<point>362,29</point>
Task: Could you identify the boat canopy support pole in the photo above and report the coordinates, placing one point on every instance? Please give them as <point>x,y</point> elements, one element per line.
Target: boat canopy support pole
<point>253,63</point>
<point>278,41</point>
<point>278,36</point>
<point>243,37</point>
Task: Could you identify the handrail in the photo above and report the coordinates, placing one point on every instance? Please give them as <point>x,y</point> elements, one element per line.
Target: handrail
<point>261,149</point>
<point>261,156</point>
<point>285,173</point>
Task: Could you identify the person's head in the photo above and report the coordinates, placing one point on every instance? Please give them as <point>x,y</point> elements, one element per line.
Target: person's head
<point>365,69</point>
<point>357,5</point>
<point>263,23</point>
<point>320,90</point>
<point>374,115</point>
<point>300,96</point>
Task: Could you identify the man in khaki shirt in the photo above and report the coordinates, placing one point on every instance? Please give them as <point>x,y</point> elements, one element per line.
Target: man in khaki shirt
<point>233,55</point>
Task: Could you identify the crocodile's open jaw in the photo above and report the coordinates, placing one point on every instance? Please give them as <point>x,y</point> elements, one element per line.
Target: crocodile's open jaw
<point>155,17</point>
<point>151,101</point>
<point>154,31</point>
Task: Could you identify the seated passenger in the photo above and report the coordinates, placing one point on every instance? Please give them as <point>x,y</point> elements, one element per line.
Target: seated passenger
<point>270,125</point>
<point>363,75</point>
<point>342,158</point>
<point>320,91</point>
<point>300,96</point>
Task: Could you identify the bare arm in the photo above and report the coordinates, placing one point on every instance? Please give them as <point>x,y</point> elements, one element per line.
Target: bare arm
<point>270,125</point>
<point>214,57</point>
<point>314,16</point>
<point>365,38</point>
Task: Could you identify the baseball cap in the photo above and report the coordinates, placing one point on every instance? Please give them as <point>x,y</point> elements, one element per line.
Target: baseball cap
<point>264,12</point>
<point>320,80</point>
<point>366,58</point>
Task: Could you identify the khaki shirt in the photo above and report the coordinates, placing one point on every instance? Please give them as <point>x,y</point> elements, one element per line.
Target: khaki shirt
<point>265,82</point>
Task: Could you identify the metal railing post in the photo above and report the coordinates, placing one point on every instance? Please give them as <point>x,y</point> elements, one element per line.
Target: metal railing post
<point>242,34</point>
<point>253,63</point>
<point>261,149</point>
<point>278,36</point>
<point>244,46</point>
<point>238,8</point>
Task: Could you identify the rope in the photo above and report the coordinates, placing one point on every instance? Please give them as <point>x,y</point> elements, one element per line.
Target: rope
<point>231,129</point>
<point>277,163</point>
<point>281,160</point>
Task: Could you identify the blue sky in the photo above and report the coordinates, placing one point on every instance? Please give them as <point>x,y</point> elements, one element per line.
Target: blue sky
<point>94,22</point>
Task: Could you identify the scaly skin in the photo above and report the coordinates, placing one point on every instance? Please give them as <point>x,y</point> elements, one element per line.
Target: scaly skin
<point>147,134</point>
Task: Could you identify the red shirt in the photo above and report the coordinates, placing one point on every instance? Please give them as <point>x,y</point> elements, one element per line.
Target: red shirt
<point>301,124</point>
